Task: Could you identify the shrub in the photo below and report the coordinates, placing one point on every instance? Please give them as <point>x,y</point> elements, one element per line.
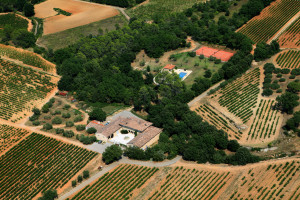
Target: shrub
<point>79,179</point>
<point>67,106</point>
<point>201,57</point>
<point>97,114</point>
<point>80,127</point>
<point>86,139</point>
<point>47,126</point>
<point>279,91</point>
<point>268,75</point>
<point>59,131</point>
<point>45,108</point>
<point>36,111</point>
<point>69,124</point>
<point>91,130</point>
<point>74,183</point>
<point>217,61</point>
<point>285,71</point>
<point>282,80</point>
<point>86,174</point>
<point>275,86</point>
<point>211,58</point>
<point>111,154</point>
<point>34,117</point>
<point>68,134</point>
<point>275,81</point>
<point>192,54</point>
<point>52,100</point>
<point>292,77</point>
<point>279,75</point>
<point>296,72</point>
<point>36,123</point>
<point>267,80</point>
<point>57,112</point>
<point>78,119</point>
<point>277,70</point>
<point>66,115</point>
<point>47,117</point>
<point>57,120</point>
<point>124,131</point>
<point>267,92</point>
<point>266,85</point>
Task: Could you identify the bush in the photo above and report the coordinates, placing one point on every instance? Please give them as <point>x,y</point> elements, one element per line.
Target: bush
<point>296,72</point>
<point>45,108</point>
<point>207,74</point>
<point>69,124</point>
<point>36,123</point>
<point>267,92</point>
<point>292,77</point>
<point>66,115</point>
<point>266,85</point>
<point>68,133</point>
<point>34,117</point>
<point>97,114</point>
<point>47,117</point>
<point>86,139</point>
<point>36,111</point>
<point>47,126</point>
<point>282,80</point>
<point>80,127</point>
<point>279,91</point>
<point>233,145</point>
<point>267,80</point>
<point>49,195</point>
<point>192,54</point>
<point>57,112</point>
<point>268,75</point>
<point>67,107</point>
<point>217,61</point>
<point>79,179</point>
<point>201,57</point>
<point>74,183</point>
<point>86,174</point>
<point>275,86</point>
<point>91,130</point>
<point>78,119</point>
<point>285,71</point>
<point>211,58</point>
<point>57,120</point>
<point>111,154</point>
<point>124,131</point>
<point>279,75</point>
<point>59,131</point>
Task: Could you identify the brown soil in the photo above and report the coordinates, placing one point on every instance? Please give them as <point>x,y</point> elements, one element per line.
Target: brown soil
<point>82,13</point>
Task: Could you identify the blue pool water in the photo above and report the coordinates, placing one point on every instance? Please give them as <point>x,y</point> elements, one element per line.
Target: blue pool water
<point>182,74</point>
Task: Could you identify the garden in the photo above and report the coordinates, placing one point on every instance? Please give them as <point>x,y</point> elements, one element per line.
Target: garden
<point>117,184</point>
<point>22,89</point>
<point>38,163</point>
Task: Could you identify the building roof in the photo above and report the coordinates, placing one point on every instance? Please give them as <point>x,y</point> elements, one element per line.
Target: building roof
<point>141,139</point>
<point>169,66</point>
<point>134,123</point>
<point>97,125</point>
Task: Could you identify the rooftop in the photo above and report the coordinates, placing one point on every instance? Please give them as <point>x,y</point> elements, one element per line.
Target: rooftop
<point>169,66</point>
<point>141,139</point>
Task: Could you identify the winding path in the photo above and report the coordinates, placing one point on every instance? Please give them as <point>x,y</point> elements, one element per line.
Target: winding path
<point>107,168</point>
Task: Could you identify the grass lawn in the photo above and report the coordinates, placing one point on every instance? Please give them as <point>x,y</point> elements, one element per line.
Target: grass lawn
<point>160,7</point>
<point>64,38</point>
<point>109,109</point>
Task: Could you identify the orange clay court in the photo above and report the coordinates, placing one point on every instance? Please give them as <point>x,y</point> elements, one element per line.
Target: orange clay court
<point>82,13</point>
<point>219,54</point>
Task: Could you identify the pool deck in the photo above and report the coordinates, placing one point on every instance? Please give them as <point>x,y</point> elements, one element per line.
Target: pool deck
<point>187,73</point>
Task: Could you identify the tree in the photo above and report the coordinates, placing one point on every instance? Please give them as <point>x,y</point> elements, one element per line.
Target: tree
<point>79,178</point>
<point>74,183</point>
<point>47,126</point>
<point>294,87</point>
<point>242,157</point>
<point>45,108</point>
<point>86,174</point>
<point>135,153</point>
<point>57,120</point>
<point>91,130</point>
<point>287,102</point>
<point>23,38</point>
<point>68,133</point>
<point>97,114</point>
<point>111,154</point>
<point>267,92</point>
<point>49,195</point>
<point>207,74</point>
<point>69,124</point>
<point>36,111</point>
<point>233,145</point>
<point>28,9</point>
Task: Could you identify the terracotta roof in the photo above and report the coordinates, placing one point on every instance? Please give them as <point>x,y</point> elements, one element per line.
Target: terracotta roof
<point>141,139</point>
<point>97,125</point>
<point>169,66</point>
<point>135,123</point>
<point>112,127</point>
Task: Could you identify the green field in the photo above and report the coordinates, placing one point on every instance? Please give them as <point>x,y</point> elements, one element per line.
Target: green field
<point>14,21</point>
<point>161,7</point>
<point>65,38</point>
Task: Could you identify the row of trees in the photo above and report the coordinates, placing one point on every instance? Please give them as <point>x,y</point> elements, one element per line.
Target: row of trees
<point>25,6</point>
<point>120,3</point>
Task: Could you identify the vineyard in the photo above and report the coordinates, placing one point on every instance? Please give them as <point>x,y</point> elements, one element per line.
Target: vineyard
<point>265,122</point>
<point>20,86</point>
<point>274,181</point>
<point>290,38</point>
<point>240,96</point>
<point>38,163</point>
<point>27,57</point>
<point>118,184</point>
<point>14,21</point>
<point>289,59</point>
<point>270,20</point>
<point>184,183</point>
<point>212,116</point>
<point>10,135</point>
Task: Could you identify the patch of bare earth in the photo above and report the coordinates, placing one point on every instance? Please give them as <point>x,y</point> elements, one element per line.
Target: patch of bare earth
<point>82,13</point>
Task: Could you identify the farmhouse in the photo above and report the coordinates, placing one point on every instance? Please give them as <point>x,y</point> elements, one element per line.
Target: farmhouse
<point>169,68</point>
<point>127,130</point>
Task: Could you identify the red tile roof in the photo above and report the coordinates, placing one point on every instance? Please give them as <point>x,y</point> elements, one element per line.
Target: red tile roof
<point>169,66</point>
<point>141,139</point>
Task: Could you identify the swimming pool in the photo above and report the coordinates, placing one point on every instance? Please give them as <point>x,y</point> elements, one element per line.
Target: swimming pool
<point>182,74</point>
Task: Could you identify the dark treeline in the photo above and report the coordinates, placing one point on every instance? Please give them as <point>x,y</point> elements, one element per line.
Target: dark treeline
<point>98,69</point>
<point>120,3</point>
<point>19,5</point>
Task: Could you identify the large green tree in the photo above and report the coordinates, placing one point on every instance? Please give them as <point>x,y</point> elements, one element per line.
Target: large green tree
<point>287,102</point>
<point>111,154</point>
